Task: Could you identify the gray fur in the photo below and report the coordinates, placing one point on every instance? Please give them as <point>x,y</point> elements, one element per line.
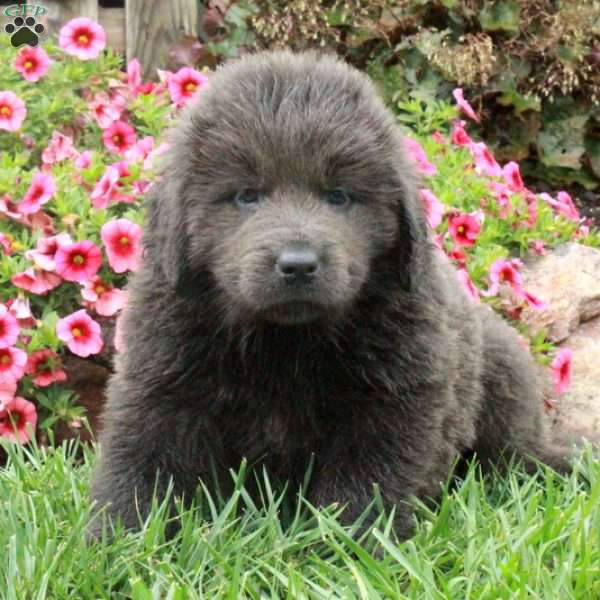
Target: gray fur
<point>386,371</point>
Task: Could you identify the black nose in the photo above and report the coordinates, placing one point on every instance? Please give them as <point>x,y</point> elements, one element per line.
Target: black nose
<point>297,263</point>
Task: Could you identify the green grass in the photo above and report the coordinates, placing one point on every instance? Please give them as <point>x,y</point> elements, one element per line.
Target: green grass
<point>504,537</point>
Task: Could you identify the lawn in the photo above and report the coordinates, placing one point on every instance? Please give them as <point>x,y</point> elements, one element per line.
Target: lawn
<point>494,538</point>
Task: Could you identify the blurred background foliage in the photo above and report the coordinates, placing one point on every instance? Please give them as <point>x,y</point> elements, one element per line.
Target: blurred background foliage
<point>530,67</point>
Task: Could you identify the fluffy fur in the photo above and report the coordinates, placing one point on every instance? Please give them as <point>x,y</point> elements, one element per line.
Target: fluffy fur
<point>377,363</point>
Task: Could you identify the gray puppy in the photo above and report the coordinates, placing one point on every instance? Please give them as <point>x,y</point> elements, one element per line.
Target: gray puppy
<point>290,304</point>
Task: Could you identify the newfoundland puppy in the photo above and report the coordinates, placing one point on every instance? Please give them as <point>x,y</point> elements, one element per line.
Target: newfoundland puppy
<point>291,308</point>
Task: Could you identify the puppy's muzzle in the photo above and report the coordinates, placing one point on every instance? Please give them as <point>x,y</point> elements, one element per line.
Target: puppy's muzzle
<point>297,265</point>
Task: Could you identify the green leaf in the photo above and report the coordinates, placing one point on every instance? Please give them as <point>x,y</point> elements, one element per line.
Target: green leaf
<point>500,16</point>
<point>521,103</point>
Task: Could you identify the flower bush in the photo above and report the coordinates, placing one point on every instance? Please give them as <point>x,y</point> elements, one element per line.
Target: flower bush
<point>78,143</point>
<point>79,140</point>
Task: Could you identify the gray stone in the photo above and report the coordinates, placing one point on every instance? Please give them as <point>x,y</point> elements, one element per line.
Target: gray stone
<point>568,280</point>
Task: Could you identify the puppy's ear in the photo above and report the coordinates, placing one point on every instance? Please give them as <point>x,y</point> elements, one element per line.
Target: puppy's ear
<point>166,236</point>
<point>413,238</point>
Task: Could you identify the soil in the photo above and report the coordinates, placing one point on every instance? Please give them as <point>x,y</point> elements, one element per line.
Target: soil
<point>588,204</point>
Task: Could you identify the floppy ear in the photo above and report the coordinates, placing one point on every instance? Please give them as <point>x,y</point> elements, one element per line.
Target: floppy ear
<point>166,236</point>
<point>413,239</point>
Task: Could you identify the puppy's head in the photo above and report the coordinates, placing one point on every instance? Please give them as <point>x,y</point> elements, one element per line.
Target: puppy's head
<point>286,184</point>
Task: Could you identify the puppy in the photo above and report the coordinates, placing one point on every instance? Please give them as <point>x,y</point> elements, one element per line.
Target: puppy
<point>291,305</point>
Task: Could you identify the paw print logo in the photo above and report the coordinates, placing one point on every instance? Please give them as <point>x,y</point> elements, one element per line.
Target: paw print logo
<point>24,31</point>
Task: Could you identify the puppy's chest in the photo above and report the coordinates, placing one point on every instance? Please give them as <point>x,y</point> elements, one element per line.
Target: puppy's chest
<point>283,425</point>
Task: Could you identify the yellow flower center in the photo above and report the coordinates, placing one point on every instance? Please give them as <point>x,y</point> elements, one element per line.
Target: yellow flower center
<point>78,259</point>
<point>5,110</point>
<point>76,332</point>
<point>100,289</point>
<point>116,138</point>
<point>124,241</point>
<point>83,39</point>
<point>5,360</point>
<point>28,64</point>
<point>460,229</point>
<point>190,86</point>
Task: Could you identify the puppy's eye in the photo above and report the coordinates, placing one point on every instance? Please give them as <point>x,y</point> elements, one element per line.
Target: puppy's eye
<point>338,197</point>
<point>248,198</point>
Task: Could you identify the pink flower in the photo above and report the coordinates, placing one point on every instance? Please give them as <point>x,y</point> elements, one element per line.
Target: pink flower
<point>512,176</point>
<point>141,186</point>
<point>39,220</point>
<point>12,364</point>
<point>538,246</point>
<point>434,209</point>
<point>83,38</point>
<point>119,136</point>
<point>563,205</point>
<point>20,309</point>
<point>8,389</point>
<point>45,250</point>
<point>81,333</point>
<point>506,271</point>
<point>134,76</point>
<point>566,206</point>
<point>436,136</point>
<point>41,189</point>
<point>533,301</point>
<point>6,244</point>
<point>32,63</point>
<point>104,111</point>
<point>531,201</point>
<point>148,87</point>
<point>78,262</point>
<point>458,255</point>
<point>184,84</point>
<point>464,228</point>
<point>416,152</point>
<point>105,191</point>
<point>84,160</point>
<point>60,148</point>
<point>18,420</point>
<point>9,328</point>
<point>141,151</point>
<point>459,135</point>
<point>44,367</point>
<point>485,163</point>
<point>502,195</point>
<point>121,239</point>
<point>464,105</point>
<point>36,281</point>
<point>561,370</point>
<point>468,285</point>
<point>12,111</point>
<point>106,300</point>
<point>9,208</point>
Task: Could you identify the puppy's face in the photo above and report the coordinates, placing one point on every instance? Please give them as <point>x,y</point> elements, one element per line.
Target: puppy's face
<point>289,190</point>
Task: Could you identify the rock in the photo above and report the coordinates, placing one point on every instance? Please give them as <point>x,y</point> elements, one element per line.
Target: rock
<point>568,280</point>
<point>579,409</point>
